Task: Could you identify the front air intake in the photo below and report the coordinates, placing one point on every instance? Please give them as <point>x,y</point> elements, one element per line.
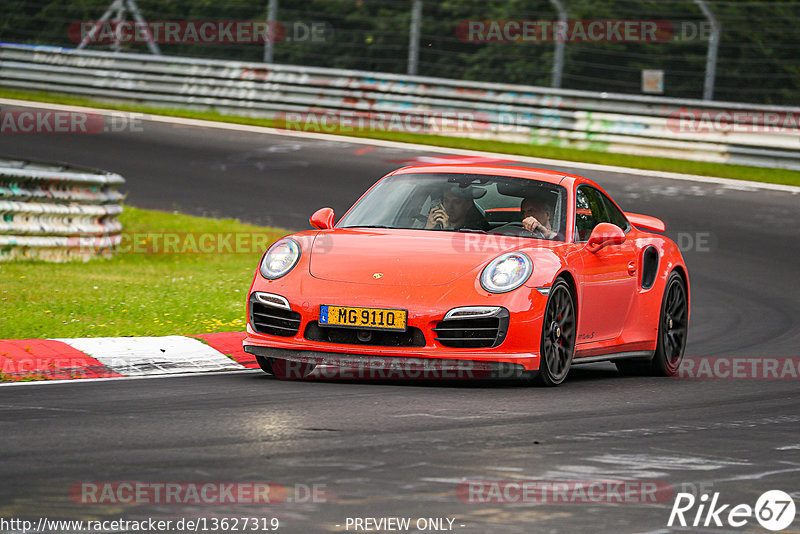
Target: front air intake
<point>274,321</point>
<point>479,332</point>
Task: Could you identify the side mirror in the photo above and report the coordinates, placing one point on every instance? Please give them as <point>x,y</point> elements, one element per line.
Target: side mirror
<point>322,219</point>
<point>605,234</point>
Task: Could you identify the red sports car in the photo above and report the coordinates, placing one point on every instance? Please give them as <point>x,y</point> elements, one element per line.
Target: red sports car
<point>477,269</point>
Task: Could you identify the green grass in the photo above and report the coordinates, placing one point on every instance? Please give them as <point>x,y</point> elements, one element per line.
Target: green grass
<point>740,172</point>
<point>32,377</point>
<point>134,294</point>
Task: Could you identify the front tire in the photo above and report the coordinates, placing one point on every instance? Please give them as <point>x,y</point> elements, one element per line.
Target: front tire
<point>558,336</point>
<point>265,364</point>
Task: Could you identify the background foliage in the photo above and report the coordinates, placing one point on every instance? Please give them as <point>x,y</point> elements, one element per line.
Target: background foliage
<point>759,56</point>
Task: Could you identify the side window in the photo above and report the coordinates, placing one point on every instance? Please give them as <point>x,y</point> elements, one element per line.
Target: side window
<point>589,212</point>
<point>614,215</point>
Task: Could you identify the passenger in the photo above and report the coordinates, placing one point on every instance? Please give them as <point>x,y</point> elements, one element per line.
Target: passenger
<point>536,215</point>
<point>457,210</point>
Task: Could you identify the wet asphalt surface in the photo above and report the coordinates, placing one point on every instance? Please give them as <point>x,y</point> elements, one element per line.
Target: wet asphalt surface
<point>390,449</point>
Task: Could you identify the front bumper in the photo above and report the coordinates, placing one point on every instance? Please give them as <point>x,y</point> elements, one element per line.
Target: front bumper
<point>371,366</point>
<point>519,347</point>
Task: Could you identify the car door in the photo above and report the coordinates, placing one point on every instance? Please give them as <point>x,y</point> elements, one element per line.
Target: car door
<point>608,275</point>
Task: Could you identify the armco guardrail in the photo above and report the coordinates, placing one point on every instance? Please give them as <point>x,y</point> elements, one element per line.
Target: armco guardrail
<point>57,213</point>
<point>767,136</point>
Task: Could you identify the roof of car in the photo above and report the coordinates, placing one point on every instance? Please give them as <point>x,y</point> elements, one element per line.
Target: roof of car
<point>531,173</point>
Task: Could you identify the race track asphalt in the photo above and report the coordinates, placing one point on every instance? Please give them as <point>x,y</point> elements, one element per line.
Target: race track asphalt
<point>401,449</point>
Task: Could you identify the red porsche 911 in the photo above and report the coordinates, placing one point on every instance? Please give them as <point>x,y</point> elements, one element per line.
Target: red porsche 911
<point>495,269</point>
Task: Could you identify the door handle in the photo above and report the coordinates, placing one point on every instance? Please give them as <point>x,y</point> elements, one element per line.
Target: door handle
<point>632,268</point>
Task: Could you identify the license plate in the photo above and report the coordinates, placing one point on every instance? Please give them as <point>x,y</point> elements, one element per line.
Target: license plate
<point>367,318</point>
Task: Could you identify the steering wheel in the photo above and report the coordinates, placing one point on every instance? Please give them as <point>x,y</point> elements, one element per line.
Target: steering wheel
<point>513,228</point>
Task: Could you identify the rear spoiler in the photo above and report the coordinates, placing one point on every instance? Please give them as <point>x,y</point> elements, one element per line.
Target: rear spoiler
<point>645,221</point>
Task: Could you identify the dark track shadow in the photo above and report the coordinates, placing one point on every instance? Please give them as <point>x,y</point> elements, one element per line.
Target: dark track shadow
<point>578,374</point>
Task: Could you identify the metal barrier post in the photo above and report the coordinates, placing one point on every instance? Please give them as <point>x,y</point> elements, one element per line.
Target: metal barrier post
<point>558,52</point>
<point>117,4</point>
<point>413,36</point>
<point>269,40</point>
<point>151,43</point>
<point>713,47</point>
<point>119,7</point>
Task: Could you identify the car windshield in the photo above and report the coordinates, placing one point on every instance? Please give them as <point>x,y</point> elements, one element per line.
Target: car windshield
<point>462,202</point>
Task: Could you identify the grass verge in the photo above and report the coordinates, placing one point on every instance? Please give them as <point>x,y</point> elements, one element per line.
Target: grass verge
<point>739,172</point>
<point>134,293</point>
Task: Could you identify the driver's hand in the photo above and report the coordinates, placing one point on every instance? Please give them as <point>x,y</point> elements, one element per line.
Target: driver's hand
<point>437,216</point>
<point>532,225</point>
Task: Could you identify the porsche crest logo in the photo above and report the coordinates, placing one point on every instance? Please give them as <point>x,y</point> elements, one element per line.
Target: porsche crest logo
<point>377,276</point>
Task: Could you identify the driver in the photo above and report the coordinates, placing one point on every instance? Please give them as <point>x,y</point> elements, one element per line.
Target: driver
<point>456,211</point>
<point>536,217</point>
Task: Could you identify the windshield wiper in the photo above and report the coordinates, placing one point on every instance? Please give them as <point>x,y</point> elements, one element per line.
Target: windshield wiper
<point>471,231</point>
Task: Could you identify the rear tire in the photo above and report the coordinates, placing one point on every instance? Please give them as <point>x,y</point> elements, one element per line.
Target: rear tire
<point>673,322</point>
<point>559,331</point>
<point>673,326</point>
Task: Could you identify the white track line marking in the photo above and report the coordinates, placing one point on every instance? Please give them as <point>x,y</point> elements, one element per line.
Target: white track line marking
<point>244,370</point>
<point>736,184</point>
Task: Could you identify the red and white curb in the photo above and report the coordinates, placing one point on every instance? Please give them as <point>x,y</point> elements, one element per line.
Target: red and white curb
<point>116,357</point>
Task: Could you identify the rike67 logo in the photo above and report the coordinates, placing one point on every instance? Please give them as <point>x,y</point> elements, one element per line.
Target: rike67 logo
<point>774,510</point>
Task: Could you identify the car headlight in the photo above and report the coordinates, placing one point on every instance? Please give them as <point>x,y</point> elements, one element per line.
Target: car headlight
<point>506,272</point>
<point>280,258</point>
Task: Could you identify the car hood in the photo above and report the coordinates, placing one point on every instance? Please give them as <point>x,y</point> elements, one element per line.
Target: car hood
<point>402,257</point>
